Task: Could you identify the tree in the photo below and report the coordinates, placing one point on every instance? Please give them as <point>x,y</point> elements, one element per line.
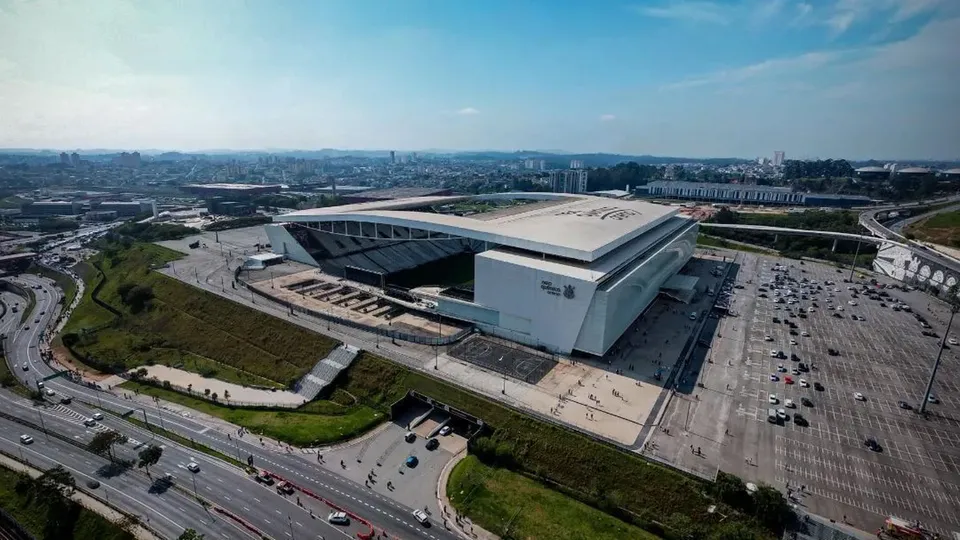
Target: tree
<point>150,456</point>
<point>138,297</point>
<point>102,443</point>
<point>190,534</point>
<point>771,508</point>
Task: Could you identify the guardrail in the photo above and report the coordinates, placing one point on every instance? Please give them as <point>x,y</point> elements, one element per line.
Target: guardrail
<point>329,503</point>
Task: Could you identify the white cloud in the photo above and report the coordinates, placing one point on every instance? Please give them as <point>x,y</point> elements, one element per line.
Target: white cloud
<point>846,13</point>
<point>607,118</point>
<point>772,66</point>
<point>468,111</point>
<point>693,11</point>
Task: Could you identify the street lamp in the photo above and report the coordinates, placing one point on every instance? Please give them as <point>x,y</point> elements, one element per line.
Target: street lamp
<point>159,413</point>
<point>936,363</point>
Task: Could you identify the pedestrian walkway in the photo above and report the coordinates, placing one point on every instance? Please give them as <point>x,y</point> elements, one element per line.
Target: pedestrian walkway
<point>326,371</point>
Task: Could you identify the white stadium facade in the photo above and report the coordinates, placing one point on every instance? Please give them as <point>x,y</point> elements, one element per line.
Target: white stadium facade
<point>559,271</point>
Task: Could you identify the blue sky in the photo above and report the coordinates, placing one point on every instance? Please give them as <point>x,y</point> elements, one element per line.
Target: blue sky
<point>815,78</point>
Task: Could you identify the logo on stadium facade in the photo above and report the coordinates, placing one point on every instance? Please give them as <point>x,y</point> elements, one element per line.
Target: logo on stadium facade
<point>605,212</point>
<point>569,292</point>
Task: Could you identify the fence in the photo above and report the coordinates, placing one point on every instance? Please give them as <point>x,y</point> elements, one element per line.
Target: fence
<point>384,332</point>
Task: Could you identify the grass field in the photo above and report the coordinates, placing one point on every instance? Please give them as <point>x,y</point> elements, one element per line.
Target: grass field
<point>511,505</point>
<point>704,240</point>
<point>9,381</point>
<point>184,318</point>
<point>605,476</point>
<point>32,516</point>
<point>27,310</point>
<point>316,423</point>
<point>943,229</point>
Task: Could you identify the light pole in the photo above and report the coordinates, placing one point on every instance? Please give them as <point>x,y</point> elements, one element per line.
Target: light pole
<point>159,413</point>
<point>290,521</point>
<point>854,265</point>
<point>195,494</point>
<point>42,426</point>
<point>936,363</point>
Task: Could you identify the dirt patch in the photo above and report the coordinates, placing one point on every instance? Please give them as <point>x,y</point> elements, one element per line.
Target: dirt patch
<point>63,357</point>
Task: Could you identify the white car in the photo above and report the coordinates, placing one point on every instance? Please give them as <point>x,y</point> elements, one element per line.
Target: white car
<point>50,392</point>
<point>193,467</point>
<point>25,367</point>
<point>805,333</point>
<point>89,422</point>
<point>858,396</point>
<point>836,289</point>
<point>338,518</point>
<point>804,383</point>
<point>852,302</point>
<point>97,416</point>
<point>793,341</point>
<point>767,338</point>
<point>811,309</point>
<point>781,369</point>
<point>420,516</point>
<point>952,341</point>
<point>693,317</point>
<point>445,430</point>
<point>781,414</point>
<point>839,308</point>
<point>772,398</point>
<point>788,403</point>
<point>774,353</point>
<point>26,439</point>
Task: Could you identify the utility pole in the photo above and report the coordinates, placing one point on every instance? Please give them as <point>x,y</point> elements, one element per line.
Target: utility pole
<point>854,265</point>
<point>159,412</point>
<point>42,426</point>
<point>290,521</point>
<point>936,363</point>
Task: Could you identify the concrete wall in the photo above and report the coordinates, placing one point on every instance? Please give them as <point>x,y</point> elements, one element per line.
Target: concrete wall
<point>282,243</point>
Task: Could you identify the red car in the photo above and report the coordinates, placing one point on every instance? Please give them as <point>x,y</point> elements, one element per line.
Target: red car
<point>788,380</point>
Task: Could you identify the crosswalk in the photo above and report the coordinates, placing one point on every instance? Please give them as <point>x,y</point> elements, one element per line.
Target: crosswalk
<point>74,417</point>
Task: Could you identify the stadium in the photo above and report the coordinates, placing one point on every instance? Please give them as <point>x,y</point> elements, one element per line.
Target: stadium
<point>561,272</point>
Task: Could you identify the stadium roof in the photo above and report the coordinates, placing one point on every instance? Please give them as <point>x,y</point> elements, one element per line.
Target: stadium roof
<point>400,192</point>
<point>578,227</point>
<point>914,170</point>
<point>235,187</point>
<point>872,170</point>
<point>952,171</point>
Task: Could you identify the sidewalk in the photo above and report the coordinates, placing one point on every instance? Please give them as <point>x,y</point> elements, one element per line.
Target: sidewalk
<point>138,531</point>
<point>462,525</point>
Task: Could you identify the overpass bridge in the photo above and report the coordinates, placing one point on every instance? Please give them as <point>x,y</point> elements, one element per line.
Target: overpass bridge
<point>896,257</point>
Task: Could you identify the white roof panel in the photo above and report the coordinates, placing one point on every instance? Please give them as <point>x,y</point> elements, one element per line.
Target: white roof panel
<point>583,228</point>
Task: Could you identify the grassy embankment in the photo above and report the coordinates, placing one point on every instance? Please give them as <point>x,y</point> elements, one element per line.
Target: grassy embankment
<point>9,381</point>
<point>65,282</point>
<point>185,441</point>
<point>32,515</point>
<point>201,332</point>
<point>27,310</point>
<point>511,505</point>
<point>943,229</point>
<point>707,241</point>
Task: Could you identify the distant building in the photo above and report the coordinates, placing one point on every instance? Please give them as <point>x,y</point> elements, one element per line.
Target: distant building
<point>230,190</point>
<point>392,193</point>
<point>951,174</point>
<point>535,164</point>
<point>75,159</point>
<point>778,158</point>
<point>915,172</point>
<point>51,208</point>
<point>64,158</point>
<point>124,208</point>
<point>742,194</point>
<point>393,156</point>
<point>100,215</point>
<point>872,173</point>
<point>221,206</point>
<point>569,181</point>
<point>576,163</point>
<point>126,159</point>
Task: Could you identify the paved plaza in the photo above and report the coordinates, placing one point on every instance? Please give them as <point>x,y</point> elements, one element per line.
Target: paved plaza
<point>825,466</point>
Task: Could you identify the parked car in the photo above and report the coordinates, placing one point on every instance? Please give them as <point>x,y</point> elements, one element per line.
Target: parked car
<point>799,420</point>
<point>432,444</point>
<point>445,430</point>
<point>904,405</point>
<point>806,402</point>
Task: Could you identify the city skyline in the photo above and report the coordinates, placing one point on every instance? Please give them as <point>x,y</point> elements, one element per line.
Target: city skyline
<point>854,79</point>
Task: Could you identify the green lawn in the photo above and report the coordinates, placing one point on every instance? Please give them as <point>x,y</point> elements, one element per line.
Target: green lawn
<point>319,422</point>
<point>214,331</point>
<point>497,498</point>
<point>27,310</point>
<point>9,381</point>
<point>704,240</point>
<point>943,229</point>
<point>32,516</point>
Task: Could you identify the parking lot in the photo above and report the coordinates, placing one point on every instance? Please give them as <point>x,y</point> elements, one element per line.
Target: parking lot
<point>385,452</point>
<point>913,471</point>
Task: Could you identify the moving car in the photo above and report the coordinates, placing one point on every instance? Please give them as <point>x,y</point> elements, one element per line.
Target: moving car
<point>26,439</point>
<point>420,516</point>
<point>49,392</point>
<point>411,461</point>
<point>284,488</point>
<point>264,477</point>
<point>89,422</point>
<point>97,416</point>
<point>193,467</point>
<point>338,518</point>
<point>65,400</point>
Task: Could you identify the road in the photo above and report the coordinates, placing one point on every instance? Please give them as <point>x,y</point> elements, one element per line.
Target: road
<point>221,483</point>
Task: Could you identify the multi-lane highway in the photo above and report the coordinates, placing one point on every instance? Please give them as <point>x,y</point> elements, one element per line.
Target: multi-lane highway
<point>221,483</point>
